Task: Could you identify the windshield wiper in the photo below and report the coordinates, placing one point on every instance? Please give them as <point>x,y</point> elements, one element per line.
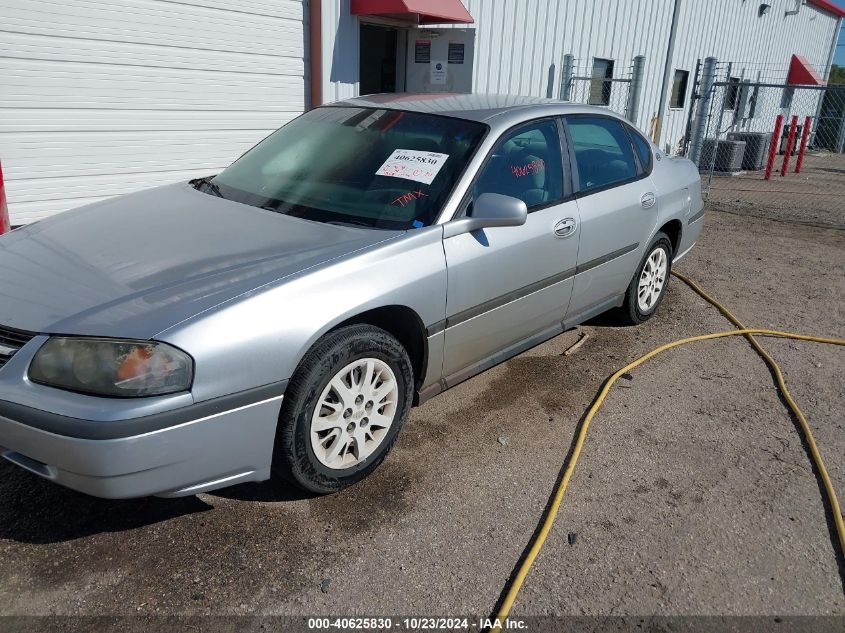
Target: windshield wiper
<point>211,187</point>
<point>351,222</point>
<point>301,212</point>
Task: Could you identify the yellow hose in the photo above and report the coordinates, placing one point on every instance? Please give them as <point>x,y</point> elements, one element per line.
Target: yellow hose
<point>793,406</point>
<point>749,333</point>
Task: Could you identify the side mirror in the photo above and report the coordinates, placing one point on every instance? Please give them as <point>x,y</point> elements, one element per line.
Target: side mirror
<point>489,210</point>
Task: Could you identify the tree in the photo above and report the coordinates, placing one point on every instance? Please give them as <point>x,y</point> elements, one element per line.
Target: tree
<point>837,75</point>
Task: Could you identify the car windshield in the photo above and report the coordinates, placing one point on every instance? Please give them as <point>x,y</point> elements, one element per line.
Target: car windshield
<point>378,168</point>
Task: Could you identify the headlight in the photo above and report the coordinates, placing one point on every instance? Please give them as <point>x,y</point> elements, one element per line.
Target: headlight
<point>111,367</point>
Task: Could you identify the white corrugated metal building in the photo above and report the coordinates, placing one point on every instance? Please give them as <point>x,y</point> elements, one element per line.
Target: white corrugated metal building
<point>103,98</point>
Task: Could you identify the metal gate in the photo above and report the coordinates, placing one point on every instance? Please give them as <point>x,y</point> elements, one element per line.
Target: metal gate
<point>620,92</point>
<point>769,148</point>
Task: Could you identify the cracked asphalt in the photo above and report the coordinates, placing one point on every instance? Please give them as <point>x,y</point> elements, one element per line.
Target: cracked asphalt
<point>694,494</point>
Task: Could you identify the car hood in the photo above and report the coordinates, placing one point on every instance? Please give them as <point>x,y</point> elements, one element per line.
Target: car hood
<point>135,265</point>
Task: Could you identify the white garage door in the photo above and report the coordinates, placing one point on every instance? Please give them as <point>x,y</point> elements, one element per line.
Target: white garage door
<point>100,98</point>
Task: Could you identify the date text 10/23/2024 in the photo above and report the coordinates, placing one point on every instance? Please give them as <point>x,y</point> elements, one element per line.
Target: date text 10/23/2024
<point>417,624</point>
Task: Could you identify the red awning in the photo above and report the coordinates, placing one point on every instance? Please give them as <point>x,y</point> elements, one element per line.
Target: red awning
<point>802,73</point>
<point>416,11</point>
<point>830,7</point>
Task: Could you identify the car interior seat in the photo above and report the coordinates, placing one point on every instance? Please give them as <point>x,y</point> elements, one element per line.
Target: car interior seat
<point>528,173</point>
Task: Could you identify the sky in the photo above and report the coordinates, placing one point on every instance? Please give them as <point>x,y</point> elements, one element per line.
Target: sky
<point>839,58</point>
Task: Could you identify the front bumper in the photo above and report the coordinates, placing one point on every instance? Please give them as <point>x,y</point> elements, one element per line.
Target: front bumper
<point>189,450</point>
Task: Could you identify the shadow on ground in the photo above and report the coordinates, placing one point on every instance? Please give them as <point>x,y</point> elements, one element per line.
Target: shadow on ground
<point>273,490</point>
<point>39,511</point>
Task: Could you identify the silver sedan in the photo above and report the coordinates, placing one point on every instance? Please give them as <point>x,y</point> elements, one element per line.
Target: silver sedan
<point>284,315</point>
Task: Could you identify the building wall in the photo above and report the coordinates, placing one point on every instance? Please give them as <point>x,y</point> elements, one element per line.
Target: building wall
<point>754,45</point>
<point>520,45</point>
<point>519,42</point>
<point>103,98</point>
<point>340,50</point>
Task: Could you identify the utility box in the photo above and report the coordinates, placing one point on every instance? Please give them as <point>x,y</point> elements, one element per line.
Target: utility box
<point>756,148</point>
<point>728,155</point>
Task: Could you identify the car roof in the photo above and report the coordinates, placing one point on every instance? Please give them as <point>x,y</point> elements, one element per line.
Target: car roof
<point>474,107</point>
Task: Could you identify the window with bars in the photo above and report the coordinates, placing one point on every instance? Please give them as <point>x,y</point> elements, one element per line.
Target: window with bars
<point>732,93</point>
<point>679,89</point>
<point>600,84</point>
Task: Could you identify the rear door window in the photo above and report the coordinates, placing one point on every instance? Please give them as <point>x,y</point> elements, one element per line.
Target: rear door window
<point>603,153</point>
<point>643,149</point>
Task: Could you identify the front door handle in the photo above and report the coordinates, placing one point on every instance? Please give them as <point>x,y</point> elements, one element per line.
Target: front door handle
<point>647,200</point>
<point>565,227</point>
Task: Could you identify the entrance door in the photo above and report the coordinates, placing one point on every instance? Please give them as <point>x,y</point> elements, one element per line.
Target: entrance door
<point>379,46</point>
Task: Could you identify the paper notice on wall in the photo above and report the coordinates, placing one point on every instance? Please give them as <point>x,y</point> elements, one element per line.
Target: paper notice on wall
<point>412,164</point>
<point>422,52</point>
<point>456,52</point>
<point>438,73</point>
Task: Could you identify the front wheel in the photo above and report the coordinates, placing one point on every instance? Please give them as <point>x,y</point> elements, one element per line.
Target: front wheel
<point>646,290</point>
<point>343,409</point>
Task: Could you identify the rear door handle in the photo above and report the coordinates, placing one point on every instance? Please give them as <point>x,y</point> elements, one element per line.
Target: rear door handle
<point>565,227</point>
<point>647,200</point>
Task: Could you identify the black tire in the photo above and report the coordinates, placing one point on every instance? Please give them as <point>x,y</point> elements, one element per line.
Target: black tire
<point>630,313</point>
<point>293,455</point>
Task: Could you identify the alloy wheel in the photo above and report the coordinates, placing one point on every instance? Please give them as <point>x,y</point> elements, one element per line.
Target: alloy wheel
<point>652,280</point>
<point>354,413</point>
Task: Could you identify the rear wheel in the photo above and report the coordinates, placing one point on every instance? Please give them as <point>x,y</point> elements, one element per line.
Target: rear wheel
<point>343,409</point>
<point>646,290</point>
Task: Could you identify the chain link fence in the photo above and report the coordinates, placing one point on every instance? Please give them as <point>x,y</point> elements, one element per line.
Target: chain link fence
<point>604,82</point>
<point>591,85</point>
<point>769,148</point>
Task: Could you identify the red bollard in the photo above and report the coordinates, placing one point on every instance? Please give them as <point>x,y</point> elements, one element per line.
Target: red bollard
<point>790,144</point>
<point>805,133</point>
<point>773,147</point>
<point>4,209</point>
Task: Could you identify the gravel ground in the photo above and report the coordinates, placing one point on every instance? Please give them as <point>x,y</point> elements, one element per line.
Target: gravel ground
<point>815,196</point>
<point>694,494</point>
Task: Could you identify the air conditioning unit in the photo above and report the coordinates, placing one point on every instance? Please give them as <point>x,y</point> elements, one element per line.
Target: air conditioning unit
<point>784,139</point>
<point>756,148</point>
<point>728,155</point>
